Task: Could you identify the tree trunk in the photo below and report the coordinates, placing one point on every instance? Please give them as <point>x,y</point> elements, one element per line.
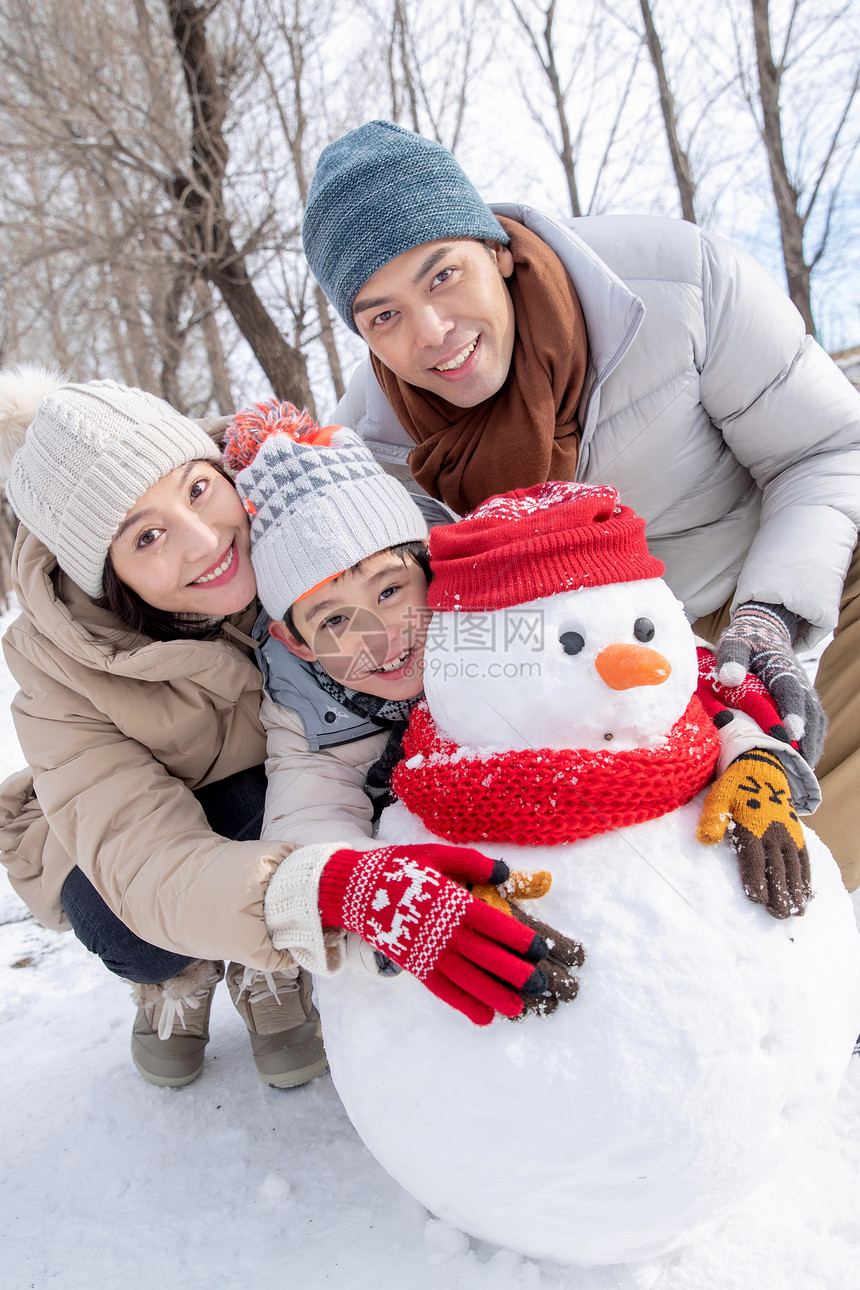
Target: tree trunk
<point>133,347</point>
<point>401,36</point>
<point>173,341</point>
<point>786,196</point>
<point>294,135</point>
<point>205,223</point>
<point>329,343</point>
<point>217,361</point>
<point>680,160</point>
<point>284,366</point>
<point>545,54</point>
<point>566,151</point>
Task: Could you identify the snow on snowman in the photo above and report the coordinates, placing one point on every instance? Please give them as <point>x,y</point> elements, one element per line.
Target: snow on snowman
<point>561,733</point>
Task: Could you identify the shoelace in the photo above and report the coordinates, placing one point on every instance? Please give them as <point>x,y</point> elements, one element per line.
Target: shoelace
<point>174,1009</point>
<point>260,984</point>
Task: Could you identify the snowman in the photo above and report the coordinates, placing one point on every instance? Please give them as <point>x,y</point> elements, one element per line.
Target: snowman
<point>560,734</point>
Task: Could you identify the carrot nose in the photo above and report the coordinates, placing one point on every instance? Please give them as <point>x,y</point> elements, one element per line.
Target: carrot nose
<point>623,667</point>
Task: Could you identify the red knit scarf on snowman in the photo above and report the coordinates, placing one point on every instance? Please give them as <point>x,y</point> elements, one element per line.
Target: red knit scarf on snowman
<point>546,795</point>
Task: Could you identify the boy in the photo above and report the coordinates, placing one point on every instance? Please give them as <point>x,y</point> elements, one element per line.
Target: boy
<point>337,549</point>
<point>342,571</point>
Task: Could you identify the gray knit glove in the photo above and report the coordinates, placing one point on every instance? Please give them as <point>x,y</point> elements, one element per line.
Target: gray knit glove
<point>759,639</point>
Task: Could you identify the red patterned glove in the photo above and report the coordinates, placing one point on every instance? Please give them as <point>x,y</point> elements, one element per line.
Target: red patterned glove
<point>751,697</point>
<point>401,901</point>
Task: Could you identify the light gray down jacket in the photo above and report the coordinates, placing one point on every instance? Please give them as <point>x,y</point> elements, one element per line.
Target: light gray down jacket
<point>717,419</point>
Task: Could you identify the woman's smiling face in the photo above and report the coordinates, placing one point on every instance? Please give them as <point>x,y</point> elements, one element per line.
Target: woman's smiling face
<point>185,546</point>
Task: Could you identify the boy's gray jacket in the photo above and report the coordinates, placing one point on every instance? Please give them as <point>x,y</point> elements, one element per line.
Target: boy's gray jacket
<point>706,405</point>
<point>318,753</point>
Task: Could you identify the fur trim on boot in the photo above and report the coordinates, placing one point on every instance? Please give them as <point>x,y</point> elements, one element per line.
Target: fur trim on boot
<point>171,1029</point>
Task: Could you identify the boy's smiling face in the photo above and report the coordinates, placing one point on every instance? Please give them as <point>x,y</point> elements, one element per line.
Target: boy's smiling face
<point>366,627</point>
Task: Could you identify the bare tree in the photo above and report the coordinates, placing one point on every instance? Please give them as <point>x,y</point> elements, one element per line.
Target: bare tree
<point>543,46</point>
<point>430,76</point>
<point>117,209</point>
<point>680,160</point>
<point>815,177</point>
<point>92,270</point>
<point>296,28</point>
<point>155,155</point>
<point>221,392</point>
<point>204,220</point>
<point>593,75</point>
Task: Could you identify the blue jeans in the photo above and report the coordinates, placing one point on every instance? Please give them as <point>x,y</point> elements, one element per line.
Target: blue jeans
<point>234,809</point>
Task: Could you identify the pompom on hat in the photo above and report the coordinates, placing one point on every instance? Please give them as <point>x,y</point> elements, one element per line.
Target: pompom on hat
<point>377,192</point>
<point>78,457</point>
<point>537,542</point>
<point>318,501</point>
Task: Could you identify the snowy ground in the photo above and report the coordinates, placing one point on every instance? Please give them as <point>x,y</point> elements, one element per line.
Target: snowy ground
<point>107,1181</point>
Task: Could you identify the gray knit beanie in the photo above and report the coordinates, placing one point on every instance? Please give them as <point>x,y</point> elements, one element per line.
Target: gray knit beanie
<point>89,452</point>
<point>377,192</point>
<point>318,501</point>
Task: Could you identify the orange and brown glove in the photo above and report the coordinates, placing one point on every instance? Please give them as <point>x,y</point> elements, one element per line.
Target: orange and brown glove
<point>752,801</point>
<point>562,956</point>
<point>563,952</point>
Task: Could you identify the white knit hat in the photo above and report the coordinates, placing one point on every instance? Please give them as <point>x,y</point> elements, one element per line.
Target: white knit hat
<point>318,501</point>
<point>89,452</point>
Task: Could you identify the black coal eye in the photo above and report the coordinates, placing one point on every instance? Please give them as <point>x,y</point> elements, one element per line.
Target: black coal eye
<point>643,629</point>
<point>571,642</point>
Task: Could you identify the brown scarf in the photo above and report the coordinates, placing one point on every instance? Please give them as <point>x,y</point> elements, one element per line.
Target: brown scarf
<point>526,434</point>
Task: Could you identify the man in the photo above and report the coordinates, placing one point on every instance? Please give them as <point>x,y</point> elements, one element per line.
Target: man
<point>508,348</point>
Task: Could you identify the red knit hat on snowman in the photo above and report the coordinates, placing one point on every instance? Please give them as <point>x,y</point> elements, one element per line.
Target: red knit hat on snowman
<point>536,542</point>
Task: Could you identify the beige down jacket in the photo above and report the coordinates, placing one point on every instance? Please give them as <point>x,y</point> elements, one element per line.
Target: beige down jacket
<point>117,739</point>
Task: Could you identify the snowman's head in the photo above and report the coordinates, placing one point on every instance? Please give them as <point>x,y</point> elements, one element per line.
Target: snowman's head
<point>554,628</point>
<point>604,668</point>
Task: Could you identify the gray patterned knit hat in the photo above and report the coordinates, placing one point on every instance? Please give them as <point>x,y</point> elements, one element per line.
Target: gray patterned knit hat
<point>83,455</point>
<point>318,501</point>
<point>377,192</point>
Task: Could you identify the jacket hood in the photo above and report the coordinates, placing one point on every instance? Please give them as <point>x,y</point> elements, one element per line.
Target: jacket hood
<point>56,606</point>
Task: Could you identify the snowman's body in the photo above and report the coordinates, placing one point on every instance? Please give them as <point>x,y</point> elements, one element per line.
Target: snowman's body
<point>707,1036</point>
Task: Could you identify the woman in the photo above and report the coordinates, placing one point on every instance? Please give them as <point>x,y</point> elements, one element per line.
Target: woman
<point>126,737</point>
<point>138,713</point>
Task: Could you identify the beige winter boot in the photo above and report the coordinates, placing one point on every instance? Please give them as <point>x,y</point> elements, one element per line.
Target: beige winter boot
<point>171,1029</point>
<point>284,1025</point>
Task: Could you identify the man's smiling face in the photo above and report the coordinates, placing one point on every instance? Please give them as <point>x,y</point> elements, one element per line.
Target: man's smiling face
<point>441,318</point>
